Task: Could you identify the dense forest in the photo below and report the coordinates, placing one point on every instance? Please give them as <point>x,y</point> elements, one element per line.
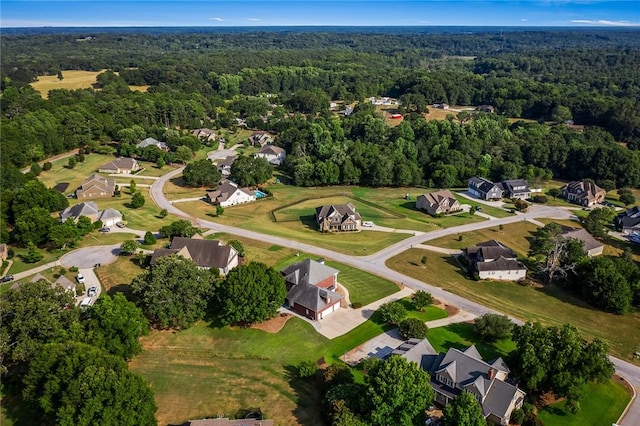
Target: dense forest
<point>212,78</point>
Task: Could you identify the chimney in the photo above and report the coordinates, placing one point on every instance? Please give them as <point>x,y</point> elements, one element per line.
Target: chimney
<point>491,373</point>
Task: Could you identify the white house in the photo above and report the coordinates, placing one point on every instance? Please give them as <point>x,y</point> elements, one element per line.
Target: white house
<point>273,154</point>
<point>229,194</point>
<point>109,217</point>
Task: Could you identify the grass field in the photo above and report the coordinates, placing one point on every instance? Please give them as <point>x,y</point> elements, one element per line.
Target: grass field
<point>204,371</point>
<point>461,336</point>
<point>602,404</point>
<point>72,79</point>
<point>305,210</point>
<point>516,236</point>
<point>548,305</point>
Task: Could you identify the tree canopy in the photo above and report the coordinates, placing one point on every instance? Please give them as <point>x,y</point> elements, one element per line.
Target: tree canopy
<point>74,383</point>
<point>174,292</point>
<point>250,171</point>
<point>179,228</point>
<point>201,173</point>
<point>464,410</point>
<point>251,293</point>
<point>493,327</point>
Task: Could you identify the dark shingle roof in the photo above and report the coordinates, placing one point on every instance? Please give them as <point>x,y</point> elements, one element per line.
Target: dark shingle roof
<point>307,271</point>
<point>590,243</point>
<point>205,253</point>
<point>500,264</point>
<point>312,297</point>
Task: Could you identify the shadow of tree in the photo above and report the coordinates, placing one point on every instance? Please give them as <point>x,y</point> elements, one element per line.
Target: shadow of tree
<point>308,394</point>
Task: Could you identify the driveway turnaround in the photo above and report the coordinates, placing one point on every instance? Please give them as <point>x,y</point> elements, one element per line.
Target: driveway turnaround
<point>88,257</point>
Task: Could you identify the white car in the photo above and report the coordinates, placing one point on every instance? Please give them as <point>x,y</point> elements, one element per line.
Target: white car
<point>367,224</point>
<point>92,291</point>
<point>80,278</point>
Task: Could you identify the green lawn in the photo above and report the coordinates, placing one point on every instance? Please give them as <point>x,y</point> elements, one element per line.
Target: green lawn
<point>548,305</point>
<point>602,404</point>
<point>307,209</point>
<point>204,371</point>
<point>461,336</point>
<point>492,211</point>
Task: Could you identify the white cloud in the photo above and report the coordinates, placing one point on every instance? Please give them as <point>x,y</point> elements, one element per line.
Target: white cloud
<point>523,20</point>
<point>216,19</point>
<point>605,22</point>
<point>253,19</point>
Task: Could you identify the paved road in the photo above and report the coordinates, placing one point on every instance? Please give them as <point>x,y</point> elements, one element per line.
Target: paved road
<point>375,264</point>
<point>88,257</point>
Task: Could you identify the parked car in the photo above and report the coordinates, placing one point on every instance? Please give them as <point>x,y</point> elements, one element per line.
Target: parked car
<point>367,224</point>
<point>80,278</point>
<point>105,229</point>
<point>92,291</point>
<point>6,278</point>
<point>120,225</point>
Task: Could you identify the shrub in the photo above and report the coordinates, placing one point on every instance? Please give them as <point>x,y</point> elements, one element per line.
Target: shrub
<point>128,247</point>
<point>421,299</point>
<point>460,237</point>
<point>11,253</point>
<point>47,166</point>
<point>36,169</point>
<point>517,416</point>
<point>163,213</point>
<point>306,369</point>
<point>393,312</point>
<point>238,246</point>
<point>356,305</point>
<point>80,158</point>
<point>33,255</point>
<point>540,199</point>
<point>97,224</point>
<point>413,328</point>
<point>73,269</point>
<point>492,327</point>
<point>219,210</point>
<point>149,238</point>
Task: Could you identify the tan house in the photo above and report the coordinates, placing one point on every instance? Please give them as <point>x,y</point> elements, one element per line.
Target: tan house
<point>205,253</point>
<point>273,154</point>
<point>341,217</point>
<point>96,186</point>
<point>592,247</point>
<point>584,192</point>
<point>260,139</point>
<point>120,165</point>
<point>495,261</point>
<point>204,134</point>
<point>438,202</point>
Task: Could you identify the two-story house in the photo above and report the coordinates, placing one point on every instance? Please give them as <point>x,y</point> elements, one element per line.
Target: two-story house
<point>493,260</point>
<point>339,217</point>
<point>516,188</point>
<point>205,253</point>
<point>438,202</point>
<point>484,189</point>
<point>584,192</point>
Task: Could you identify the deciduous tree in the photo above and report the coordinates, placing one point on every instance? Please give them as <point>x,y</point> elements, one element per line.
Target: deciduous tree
<point>493,327</point>
<point>413,328</point>
<point>392,312</point>
<point>201,173</point>
<point>464,410</point>
<point>179,228</point>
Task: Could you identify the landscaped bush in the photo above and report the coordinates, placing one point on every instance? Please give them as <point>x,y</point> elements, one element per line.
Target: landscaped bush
<point>356,305</point>
<point>306,369</point>
<point>149,238</point>
<point>73,269</point>
<point>47,166</point>
<point>517,416</point>
<point>540,199</point>
<point>393,312</point>
<point>413,328</point>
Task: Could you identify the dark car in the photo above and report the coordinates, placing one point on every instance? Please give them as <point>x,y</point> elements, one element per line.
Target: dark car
<point>6,278</point>
<point>105,229</point>
<point>120,225</point>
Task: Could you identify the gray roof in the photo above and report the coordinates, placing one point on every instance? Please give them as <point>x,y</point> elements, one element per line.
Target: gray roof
<point>226,189</point>
<point>271,150</point>
<point>483,184</point>
<point>38,277</point>
<point>438,197</point>
<point>151,142</point>
<point>501,264</point>
<point>110,214</point>
<point>488,250</point>
<point>629,218</point>
<point>81,209</point>
<point>312,297</point>
<point>509,185</point>
<point>498,398</point>
<point>125,163</point>
<point>307,272</point>
<point>205,253</point>
<point>590,243</point>
<point>346,211</point>
<point>64,282</point>
<point>583,189</point>
<point>419,351</point>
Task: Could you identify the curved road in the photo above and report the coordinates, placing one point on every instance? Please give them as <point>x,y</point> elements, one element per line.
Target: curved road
<point>375,264</point>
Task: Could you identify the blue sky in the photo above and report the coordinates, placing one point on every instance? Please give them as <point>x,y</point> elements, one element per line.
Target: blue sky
<point>604,13</point>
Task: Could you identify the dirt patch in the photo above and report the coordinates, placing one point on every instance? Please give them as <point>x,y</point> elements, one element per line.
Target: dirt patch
<point>451,310</point>
<point>547,399</point>
<point>273,325</point>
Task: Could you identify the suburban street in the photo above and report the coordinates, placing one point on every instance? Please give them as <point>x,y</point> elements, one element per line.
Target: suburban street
<point>375,264</point>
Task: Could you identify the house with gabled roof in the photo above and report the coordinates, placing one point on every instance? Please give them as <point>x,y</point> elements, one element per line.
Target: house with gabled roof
<point>65,284</point>
<point>120,165</point>
<point>438,202</point>
<point>591,246</point>
<point>584,192</point>
<point>458,371</point>
<point>516,189</point>
<point>206,254</point>
<point>224,165</point>
<point>260,139</point>
<point>204,134</point>
<point>493,260</point>
<point>229,194</point>
<point>153,142</point>
<point>273,154</point>
<point>311,289</point>
<point>88,209</point>
<point>96,186</point>
<point>628,222</point>
<point>485,189</point>
<point>337,217</point>
<point>109,217</point>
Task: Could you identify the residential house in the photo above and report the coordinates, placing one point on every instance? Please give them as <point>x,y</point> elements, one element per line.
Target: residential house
<point>311,289</point>
<point>204,134</point>
<point>441,106</point>
<point>571,125</point>
<point>229,194</point>
<point>341,217</point>
<point>88,209</point>
<point>109,217</point>
<point>273,154</point>
<point>516,188</point>
<point>591,246</point>
<point>485,108</point>
<point>224,166</point>
<point>485,189</point>
<point>65,284</point>
<point>223,421</point>
<point>584,192</point>
<point>4,251</point>
<point>153,142</point>
<point>96,186</point>
<point>458,371</point>
<point>493,260</point>
<point>628,222</point>
<point>260,139</point>
<point>38,277</point>
<point>120,165</point>
<point>205,253</point>
<point>438,202</point>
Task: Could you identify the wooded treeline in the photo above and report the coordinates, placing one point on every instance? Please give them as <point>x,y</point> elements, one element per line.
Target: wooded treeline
<point>210,79</point>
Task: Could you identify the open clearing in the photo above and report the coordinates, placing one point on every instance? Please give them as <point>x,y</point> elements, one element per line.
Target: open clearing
<point>72,79</point>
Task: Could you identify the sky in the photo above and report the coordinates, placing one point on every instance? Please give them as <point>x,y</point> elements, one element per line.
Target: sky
<point>118,13</point>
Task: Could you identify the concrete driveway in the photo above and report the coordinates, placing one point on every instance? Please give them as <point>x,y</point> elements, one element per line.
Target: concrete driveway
<point>88,257</point>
